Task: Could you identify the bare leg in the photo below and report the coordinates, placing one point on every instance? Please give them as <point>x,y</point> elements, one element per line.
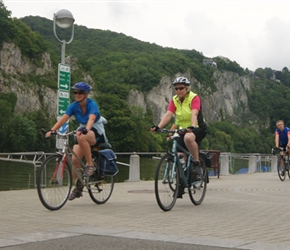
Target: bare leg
<point>85,142</point>
<point>192,146</point>
<point>77,150</point>
<point>282,157</point>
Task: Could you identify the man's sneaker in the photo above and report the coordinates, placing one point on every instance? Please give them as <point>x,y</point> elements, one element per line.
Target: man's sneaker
<point>282,172</point>
<point>77,192</point>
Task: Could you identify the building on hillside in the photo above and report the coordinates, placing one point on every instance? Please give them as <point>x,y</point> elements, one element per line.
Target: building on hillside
<point>210,62</point>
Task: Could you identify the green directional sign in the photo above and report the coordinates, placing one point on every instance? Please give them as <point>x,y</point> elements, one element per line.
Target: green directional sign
<point>63,77</point>
<point>63,102</point>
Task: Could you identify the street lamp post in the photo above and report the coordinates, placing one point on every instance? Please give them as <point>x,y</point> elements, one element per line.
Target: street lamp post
<point>63,19</point>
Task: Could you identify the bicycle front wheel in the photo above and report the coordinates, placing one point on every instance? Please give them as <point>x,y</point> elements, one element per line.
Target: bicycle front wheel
<point>197,189</point>
<point>166,183</point>
<point>54,181</point>
<point>281,169</point>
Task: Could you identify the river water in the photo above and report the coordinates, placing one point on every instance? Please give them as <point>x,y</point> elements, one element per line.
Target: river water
<point>15,175</point>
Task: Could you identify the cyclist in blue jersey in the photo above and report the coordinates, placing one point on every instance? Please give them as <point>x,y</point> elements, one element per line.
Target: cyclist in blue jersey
<point>91,130</point>
<point>282,138</point>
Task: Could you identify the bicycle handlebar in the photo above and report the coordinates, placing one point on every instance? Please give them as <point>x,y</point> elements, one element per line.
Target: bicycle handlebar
<point>276,149</point>
<point>58,133</point>
<point>164,130</point>
<point>175,132</point>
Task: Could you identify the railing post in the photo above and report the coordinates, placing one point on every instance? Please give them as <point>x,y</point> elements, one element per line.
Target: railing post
<point>225,164</point>
<point>274,163</point>
<point>134,171</point>
<point>252,164</point>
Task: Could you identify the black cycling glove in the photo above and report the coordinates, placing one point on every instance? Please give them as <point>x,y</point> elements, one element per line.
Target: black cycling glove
<point>155,127</point>
<point>84,131</point>
<point>192,128</point>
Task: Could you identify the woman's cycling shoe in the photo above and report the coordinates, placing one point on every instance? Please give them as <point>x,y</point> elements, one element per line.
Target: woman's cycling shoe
<point>89,171</point>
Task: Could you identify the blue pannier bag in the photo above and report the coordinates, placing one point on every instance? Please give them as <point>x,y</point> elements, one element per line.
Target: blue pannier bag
<point>107,162</point>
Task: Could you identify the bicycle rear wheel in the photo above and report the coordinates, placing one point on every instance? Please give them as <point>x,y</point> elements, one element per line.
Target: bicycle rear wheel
<point>197,189</point>
<point>166,183</point>
<point>100,187</point>
<point>281,170</point>
<point>54,181</point>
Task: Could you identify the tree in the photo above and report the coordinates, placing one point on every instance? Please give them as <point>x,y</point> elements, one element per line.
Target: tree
<point>21,134</point>
<point>5,116</point>
<point>41,121</point>
<point>222,141</point>
<point>6,26</point>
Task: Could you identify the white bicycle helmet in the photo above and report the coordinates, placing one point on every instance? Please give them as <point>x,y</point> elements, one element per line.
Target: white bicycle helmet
<point>181,80</point>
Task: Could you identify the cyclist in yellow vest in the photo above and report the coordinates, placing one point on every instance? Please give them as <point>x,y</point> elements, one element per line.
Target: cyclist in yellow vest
<point>186,106</point>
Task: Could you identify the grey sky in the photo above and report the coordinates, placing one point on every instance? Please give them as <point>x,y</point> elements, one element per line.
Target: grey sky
<point>253,33</point>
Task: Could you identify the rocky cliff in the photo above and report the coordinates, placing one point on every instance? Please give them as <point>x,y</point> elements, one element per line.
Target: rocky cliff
<point>230,99</point>
<point>30,96</point>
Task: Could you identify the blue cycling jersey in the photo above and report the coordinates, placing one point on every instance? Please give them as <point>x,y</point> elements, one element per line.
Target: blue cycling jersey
<point>91,108</point>
<point>283,135</point>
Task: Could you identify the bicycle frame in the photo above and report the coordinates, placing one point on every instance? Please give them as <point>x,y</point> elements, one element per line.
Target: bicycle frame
<point>177,162</point>
<point>67,159</point>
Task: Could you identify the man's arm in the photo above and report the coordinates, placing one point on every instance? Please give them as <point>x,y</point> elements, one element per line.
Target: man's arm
<point>288,134</point>
<point>277,139</point>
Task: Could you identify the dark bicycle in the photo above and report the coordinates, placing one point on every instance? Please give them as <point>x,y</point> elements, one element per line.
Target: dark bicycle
<point>283,165</point>
<point>172,177</point>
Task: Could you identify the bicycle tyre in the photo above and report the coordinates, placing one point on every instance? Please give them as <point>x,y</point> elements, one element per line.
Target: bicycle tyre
<point>166,187</point>
<point>281,170</point>
<point>54,182</point>
<point>197,188</point>
<point>288,170</point>
<point>100,187</point>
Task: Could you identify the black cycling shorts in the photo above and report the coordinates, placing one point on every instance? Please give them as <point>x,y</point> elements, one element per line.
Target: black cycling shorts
<point>283,146</point>
<point>99,138</point>
<point>200,134</point>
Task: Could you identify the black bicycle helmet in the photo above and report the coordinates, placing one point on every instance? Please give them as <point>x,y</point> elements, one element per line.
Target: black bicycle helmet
<point>83,86</point>
<point>181,80</point>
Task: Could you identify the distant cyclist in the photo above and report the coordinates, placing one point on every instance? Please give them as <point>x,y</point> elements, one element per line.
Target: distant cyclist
<point>282,137</point>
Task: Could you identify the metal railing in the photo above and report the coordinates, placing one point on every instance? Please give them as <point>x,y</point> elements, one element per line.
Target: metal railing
<point>229,162</point>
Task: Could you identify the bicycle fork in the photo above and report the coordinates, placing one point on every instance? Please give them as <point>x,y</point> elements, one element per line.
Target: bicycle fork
<point>169,173</point>
<point>59,171</point>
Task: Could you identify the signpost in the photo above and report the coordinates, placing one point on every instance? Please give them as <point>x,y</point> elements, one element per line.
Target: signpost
<point>62,102</point>
<point>62,99</point>
<point>63,77</point>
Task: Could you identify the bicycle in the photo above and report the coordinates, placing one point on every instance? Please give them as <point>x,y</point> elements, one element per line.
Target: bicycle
<point>283,164</point>
<point>171,175</point>
<point>54,179</point>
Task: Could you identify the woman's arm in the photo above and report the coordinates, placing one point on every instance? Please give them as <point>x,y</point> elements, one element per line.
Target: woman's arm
<point>91,121</point>
<point>165,119</point>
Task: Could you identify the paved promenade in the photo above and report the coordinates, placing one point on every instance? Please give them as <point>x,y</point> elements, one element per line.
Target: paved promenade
<point>246,211</point>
